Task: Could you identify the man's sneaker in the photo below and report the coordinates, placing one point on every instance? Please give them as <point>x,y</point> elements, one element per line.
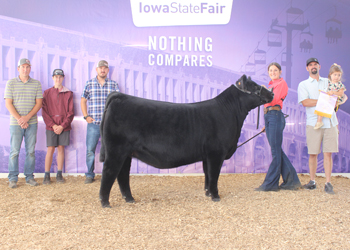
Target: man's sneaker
<point>328,188</point>
<point>59,178</point>
<point>47,180</point>
<point>13,184</point>
<point>89,180</point>
<point>310,185</point>
<point>32,182</point>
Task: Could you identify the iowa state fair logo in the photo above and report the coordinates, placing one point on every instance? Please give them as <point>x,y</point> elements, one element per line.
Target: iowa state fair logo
<point>150,13</point>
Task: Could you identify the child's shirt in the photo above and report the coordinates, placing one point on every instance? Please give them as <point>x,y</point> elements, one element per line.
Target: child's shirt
<point>336,87</point>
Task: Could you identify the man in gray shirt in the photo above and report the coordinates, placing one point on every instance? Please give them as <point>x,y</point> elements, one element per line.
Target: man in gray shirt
<point>23,98</point>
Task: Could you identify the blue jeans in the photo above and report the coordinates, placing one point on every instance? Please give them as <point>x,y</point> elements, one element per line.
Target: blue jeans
<point>92,137</point>
<point>17,133</point>
<point>280,165</point>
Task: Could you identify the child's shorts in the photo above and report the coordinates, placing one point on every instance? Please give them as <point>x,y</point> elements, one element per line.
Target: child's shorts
<point>54,140</point>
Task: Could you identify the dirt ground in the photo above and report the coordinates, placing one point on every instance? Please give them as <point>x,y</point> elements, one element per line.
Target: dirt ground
<point>173,212</point>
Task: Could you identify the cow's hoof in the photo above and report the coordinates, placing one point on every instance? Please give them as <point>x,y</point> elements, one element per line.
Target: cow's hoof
<point>130,200</point>
<point>216,199</point>
<point>105,204</point>
<point>207,193</point>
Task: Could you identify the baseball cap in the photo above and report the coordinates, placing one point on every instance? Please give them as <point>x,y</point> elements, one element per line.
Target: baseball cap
<point>58,72</point>
<point>24,61</point>
<point>102,63</point>
<point>310,60</point>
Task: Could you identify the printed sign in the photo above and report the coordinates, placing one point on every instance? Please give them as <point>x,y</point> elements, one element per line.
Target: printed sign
<point>325,104</point>
<point>181,12</point>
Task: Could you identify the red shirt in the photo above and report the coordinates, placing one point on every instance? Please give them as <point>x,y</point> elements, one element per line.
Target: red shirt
<point>280,89</point>
<point>58,108</point>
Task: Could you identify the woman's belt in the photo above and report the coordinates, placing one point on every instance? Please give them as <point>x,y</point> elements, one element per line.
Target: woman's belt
<point>271,108</point>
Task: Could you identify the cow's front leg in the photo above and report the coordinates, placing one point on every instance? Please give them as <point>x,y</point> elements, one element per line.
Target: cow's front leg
<point>206,178</point>
<point>124,181</point>
<point>111,169</point>
<point>214,167</point>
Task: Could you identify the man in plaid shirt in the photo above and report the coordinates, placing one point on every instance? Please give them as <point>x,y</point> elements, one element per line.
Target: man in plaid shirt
<point>92,103</point>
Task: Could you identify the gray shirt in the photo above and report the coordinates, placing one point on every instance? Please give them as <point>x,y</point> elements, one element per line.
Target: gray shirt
<point>23,95</point>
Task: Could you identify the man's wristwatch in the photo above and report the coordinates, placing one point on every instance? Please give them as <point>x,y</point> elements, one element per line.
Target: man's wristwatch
<point>86,117</point>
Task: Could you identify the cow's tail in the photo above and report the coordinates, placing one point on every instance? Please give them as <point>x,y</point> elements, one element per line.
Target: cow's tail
<point>102,150</point>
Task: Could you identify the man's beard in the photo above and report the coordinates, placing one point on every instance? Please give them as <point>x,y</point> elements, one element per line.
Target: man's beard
<point>102,76</point>
<point>314,71</point>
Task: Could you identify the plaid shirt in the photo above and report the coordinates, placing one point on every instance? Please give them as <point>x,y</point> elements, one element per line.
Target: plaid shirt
<point>96,96</point>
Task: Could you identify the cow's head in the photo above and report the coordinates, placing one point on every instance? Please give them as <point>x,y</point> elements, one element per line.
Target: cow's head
<point>247,85</point>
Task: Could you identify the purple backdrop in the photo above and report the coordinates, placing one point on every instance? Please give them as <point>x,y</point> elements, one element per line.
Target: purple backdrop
<point>177,51</point>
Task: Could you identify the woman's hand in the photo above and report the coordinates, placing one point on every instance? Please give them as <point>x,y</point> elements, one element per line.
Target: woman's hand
<point>263,129</point>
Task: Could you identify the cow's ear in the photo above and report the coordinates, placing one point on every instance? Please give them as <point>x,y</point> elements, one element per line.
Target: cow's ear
<point>243,79</point>
<point>240,84</point>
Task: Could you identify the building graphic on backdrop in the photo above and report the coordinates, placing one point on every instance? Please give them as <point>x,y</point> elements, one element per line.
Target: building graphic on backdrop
<point>295,24</point>
<point>128,66</point>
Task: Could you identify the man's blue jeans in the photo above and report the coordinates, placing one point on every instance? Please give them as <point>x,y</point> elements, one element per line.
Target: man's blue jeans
<point>274,126</point>
<point>92,137</point>
<point>17,134</point>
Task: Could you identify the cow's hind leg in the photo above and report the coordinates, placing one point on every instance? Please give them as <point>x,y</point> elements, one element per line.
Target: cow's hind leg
<point>214,164</point>
<point>124,181</point>
<point>111,169</point>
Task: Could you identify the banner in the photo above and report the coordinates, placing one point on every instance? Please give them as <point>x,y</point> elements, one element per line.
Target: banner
<point>326,104</point>
<point>181,51</point>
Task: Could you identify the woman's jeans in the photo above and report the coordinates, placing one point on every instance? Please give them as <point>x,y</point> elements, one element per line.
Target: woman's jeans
<point>274,126</point>
<point>92,137</point>
<point>17,134</point>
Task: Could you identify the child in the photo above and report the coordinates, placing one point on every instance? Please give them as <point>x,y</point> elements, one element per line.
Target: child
<point>58,115</point>
<point>335,87</point>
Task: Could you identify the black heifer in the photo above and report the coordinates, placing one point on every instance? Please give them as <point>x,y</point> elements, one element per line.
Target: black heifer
<point>168,135</point>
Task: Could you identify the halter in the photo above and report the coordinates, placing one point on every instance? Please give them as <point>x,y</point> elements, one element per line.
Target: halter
<point>257,92</point>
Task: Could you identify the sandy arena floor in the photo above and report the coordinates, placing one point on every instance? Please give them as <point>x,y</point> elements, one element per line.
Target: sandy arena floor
<point>173,213</point>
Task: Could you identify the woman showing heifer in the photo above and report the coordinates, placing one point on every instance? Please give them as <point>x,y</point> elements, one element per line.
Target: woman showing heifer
<point>274,126</point>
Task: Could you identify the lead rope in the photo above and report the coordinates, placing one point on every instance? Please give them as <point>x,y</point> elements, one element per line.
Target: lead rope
<point>285,116</point>
<point>258,121</point>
